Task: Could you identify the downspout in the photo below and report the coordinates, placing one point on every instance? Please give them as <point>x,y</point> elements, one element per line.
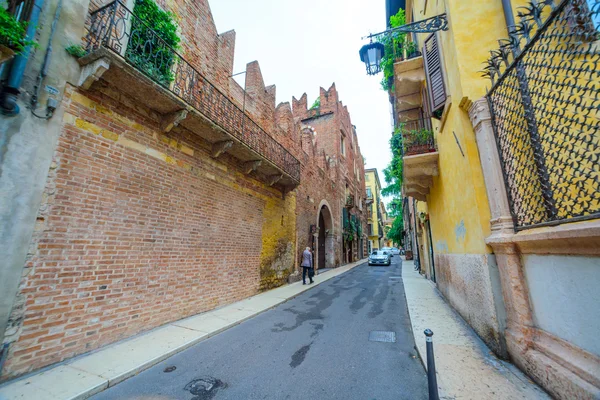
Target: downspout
<point>418,259</point>
<point>10,92</point>
<point>509,16</point>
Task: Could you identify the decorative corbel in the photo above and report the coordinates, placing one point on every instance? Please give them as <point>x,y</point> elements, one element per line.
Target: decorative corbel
<point>219,148</point>
<point>171,120</point>
<point>92,72</point>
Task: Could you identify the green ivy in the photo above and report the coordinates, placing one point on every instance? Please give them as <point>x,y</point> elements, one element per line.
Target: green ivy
<point>13,32</point>
<point>393,45</point>
<point>146,50</point>
<point>316,104</point>
<point>393,179</point>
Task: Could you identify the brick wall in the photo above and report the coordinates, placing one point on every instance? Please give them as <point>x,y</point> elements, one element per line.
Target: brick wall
<point>138,228</point>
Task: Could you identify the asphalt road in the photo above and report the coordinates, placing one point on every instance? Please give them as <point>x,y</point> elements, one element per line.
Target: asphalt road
<point>315,346</point>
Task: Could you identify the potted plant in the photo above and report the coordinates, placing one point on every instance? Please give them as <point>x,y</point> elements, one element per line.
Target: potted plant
<point>12,36</point>
<point>411,50</point>
<point>418,141</point>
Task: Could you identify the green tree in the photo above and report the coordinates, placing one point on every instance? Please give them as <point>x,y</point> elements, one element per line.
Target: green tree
<point>393,179</point>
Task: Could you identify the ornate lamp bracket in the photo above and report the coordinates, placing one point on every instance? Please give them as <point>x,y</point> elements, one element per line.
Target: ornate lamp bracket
<point>429,25</point>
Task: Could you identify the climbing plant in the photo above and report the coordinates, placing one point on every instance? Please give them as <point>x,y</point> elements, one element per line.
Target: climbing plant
<point>153,41</point>
<point>316,104</point>
<point>393,179</point>
<point>393,44</point>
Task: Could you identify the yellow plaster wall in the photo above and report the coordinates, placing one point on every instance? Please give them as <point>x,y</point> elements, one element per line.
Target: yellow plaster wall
<point>277,257</point>
<point>371,182</point>
<point>458,204</point>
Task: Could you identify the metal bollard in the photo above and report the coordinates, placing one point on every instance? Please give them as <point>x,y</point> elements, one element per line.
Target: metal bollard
<point>431,379</point>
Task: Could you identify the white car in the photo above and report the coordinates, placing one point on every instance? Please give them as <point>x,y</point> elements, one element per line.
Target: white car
<point>380,257</point>
<point>395,251</point>
<point>388,250</point>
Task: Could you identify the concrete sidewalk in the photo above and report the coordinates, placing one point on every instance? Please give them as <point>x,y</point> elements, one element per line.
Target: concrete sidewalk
<point>466,368</point>
<point>91,373</point>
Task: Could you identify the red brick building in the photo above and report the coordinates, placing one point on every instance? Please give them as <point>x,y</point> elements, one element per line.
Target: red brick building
<point>167,199</point>
<point>328,133</point>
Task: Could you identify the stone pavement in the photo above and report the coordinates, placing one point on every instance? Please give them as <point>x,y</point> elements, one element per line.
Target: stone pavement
<point>466,368</point>
<point>91,373</point>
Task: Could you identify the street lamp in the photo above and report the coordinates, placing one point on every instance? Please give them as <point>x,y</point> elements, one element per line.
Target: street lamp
<point>371,54</point>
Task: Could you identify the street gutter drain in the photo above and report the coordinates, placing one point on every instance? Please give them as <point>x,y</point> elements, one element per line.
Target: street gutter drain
<point>382,336</point>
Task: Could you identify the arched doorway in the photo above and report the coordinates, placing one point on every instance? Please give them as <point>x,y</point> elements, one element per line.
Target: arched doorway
<point>325,254</point>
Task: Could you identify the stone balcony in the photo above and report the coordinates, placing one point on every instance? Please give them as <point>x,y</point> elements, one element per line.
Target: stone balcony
<point>420,157</point>
<point>409,76</point>
<point>163,81</point>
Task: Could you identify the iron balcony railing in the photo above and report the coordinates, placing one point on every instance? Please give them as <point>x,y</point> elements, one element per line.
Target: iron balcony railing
<point>417,136</point>
<point>116,28</point>
<point>545,107</point>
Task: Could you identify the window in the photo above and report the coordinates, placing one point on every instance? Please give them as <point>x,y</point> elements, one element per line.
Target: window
<point>343,147</point>
<point>369,193</point>
<point>434,73</point>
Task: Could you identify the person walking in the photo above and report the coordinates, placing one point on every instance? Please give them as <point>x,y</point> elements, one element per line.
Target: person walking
<point>307,265</point>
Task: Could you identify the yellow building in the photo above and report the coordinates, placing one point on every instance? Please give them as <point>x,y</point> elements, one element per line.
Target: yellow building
<point>375,225</point>
<point>494,207</point>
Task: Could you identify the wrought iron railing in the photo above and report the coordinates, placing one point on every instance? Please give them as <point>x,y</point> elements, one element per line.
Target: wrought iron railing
<point>545,104</point>
<point>417,136</point>
<point>116,28</point>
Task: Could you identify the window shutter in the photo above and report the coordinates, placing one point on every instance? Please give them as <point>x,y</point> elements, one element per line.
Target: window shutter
<point>345,217</point>
<point>434,73</point>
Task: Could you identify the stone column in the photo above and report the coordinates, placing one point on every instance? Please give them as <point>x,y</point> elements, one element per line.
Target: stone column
<point>512,279</point>
<point>480,116</point>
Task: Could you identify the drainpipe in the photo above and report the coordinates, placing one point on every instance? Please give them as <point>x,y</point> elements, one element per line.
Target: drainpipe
<point>509,17</point>
<point>10,92</point>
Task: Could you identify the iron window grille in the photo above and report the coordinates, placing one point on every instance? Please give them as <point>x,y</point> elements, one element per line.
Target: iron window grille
<point>545,105</point>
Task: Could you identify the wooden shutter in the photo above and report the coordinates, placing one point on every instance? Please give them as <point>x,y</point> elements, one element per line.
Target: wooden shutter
<point>345,217</point>
<point>434,73</point>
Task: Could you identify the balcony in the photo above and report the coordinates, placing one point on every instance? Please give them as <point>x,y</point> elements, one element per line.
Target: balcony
<point>409,76</point>
<point>158,77</point>
<point>420,157</point>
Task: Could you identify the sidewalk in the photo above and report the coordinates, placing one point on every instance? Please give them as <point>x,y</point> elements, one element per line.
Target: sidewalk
<point>466,368</point>
<point>89,374</point>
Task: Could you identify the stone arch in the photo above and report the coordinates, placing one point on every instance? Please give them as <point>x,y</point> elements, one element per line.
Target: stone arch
<point>324,237</point>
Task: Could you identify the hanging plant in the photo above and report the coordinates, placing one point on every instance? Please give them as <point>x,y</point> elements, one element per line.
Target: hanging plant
<point>12,36</point>
<point>153,41</point>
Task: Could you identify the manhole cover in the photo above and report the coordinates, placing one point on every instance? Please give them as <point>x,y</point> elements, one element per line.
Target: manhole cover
<point>382,336</point>
<point>204,388</point>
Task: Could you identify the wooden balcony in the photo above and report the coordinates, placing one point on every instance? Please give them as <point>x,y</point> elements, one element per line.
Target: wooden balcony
<point>157,77</point>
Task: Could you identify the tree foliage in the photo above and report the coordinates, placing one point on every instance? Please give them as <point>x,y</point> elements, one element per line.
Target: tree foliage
<point>393,179</point>
<point>392,44</point>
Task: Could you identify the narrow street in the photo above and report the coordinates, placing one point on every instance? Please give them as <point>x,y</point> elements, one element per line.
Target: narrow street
<point>315,346</point>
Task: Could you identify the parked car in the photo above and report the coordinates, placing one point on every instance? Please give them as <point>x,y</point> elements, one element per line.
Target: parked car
<point>395,251</point>
<point>388,250</point>
<point>380,257</point>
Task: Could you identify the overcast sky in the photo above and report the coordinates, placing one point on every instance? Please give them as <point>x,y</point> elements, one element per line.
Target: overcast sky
<point>303,45</point>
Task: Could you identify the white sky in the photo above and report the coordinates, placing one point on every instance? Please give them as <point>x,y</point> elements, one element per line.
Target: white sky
<point>303,45</point>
